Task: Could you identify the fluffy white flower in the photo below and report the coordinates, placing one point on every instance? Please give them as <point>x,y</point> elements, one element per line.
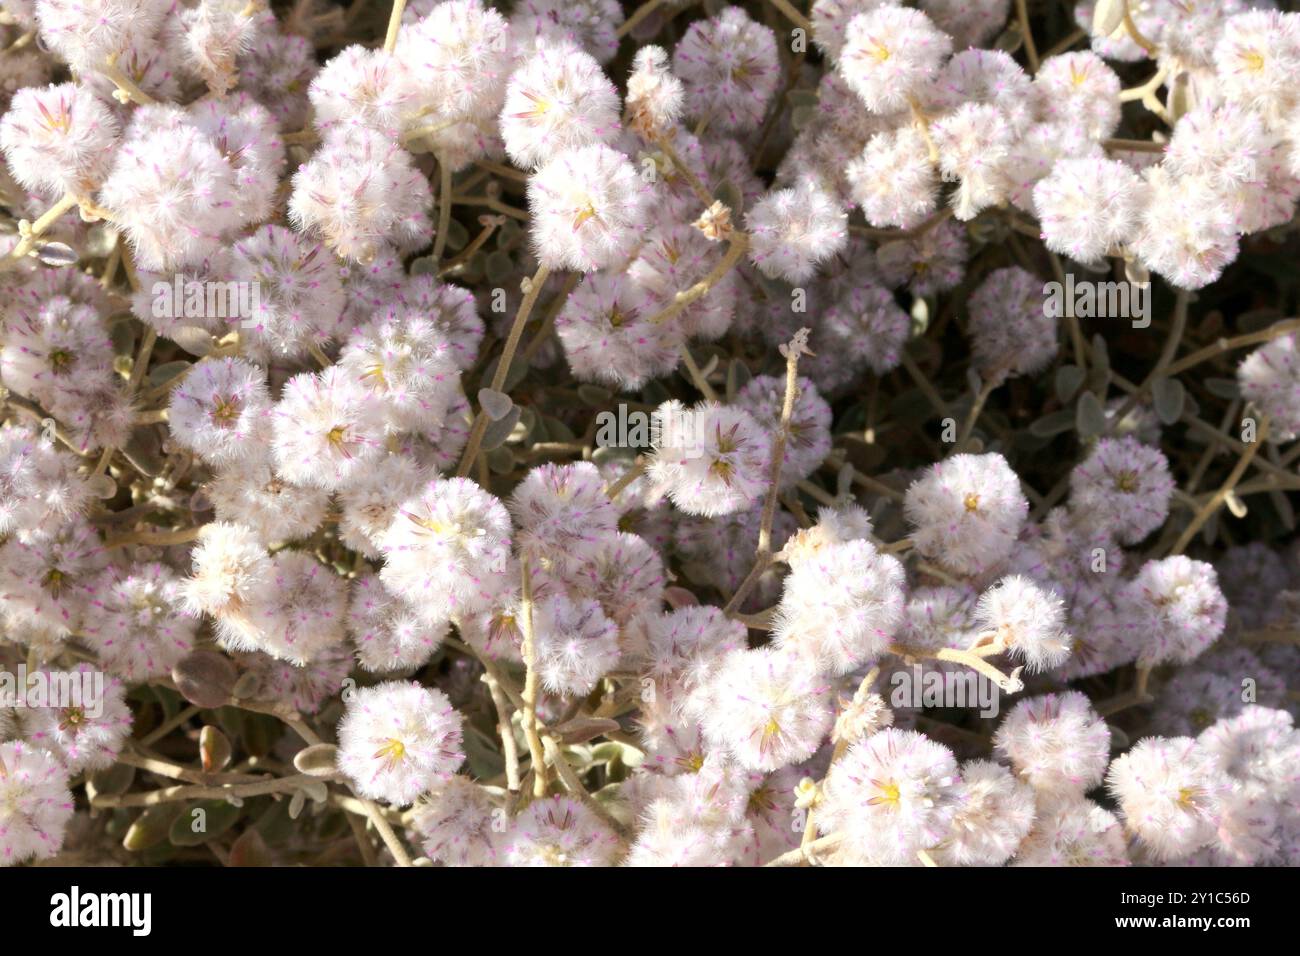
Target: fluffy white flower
<point>59,139</point>
<point>1270,377</point>
<point>1088,206</point>
<point>388,633</point>
<point>35,805</point>
<point>557,100</point>
<point>359,192</point>
<point>576,645</point>
<point>729,69</point>
<point>1027,620</point>
<point>889,54</point>
<point>767,708</point>
<point>995,813</point>
<point>1012,330</point>
<point>1169,791</point>
<point>1073,831</point>
<point>86,734</point>
<point>399,740</point>
<point>893,179</point>
<point>1056,743</point>
<point>458,824</point>
<point>447,549</point>
<point>140,629</point>
<point>588,205</point>
<point>710,460</point>
<point>1175,608</point>
<point>890,796</point>
<point>221,411</point>
<point>326,428</point>
<point>559,831</point>
<point>841,607</point>
<point>967,512</point>
<point>793,230</point>
<point>1123,488</point>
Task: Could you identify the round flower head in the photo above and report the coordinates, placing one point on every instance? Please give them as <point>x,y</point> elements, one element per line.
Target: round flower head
<point>889,54</point>
<point>838,525</point>
<point>139,629</point>
<point>53,349</point>
<point>298,293</point>
<point>46,582</point>
<point>684,645</point>
<point>228,562</point>
<point>221,411</point>
<point>361,87</point>
<point>840,608</point>
<point>608,337</point>
<point>576,645</point>
<point>1027,620</point>
<point>39,485</point>
<point>1257,58</point>
<point>86,33</point>
<point>1073,831</point>
<point>967,512</point>
<point>988,77</point>
<point>793,230</point>
<point>1123,488</point>
<point>326,429</point>
<point>559,831</point>
<point>710,460</point>
<point>447,549</point>
<point>562,513</point>
<point>214,34</point>
<point>245,134</point>
<point>931,263</point>
<point>1169,791</point>
<point>1056,743</point>
<point>588,206</point>
<point>174,204</point>
<point>893,179</point>
<point>86,732</point>
<point>457,824</point>
<point>1176,609</point>
<point>766,708</point>
<point>58,139</point>
<point>1013,332</point>
<point>729,68</point>
<point>1187,234</point>
<point>995,813</point>
<point>388,633</point>
<point>462,54</point>
<point>360,192</point>
<point>1270,378</point>
<point>890,796</point>
<point>295,612</point>
<point>410,367</point>
<point>1088,206</point>
<point>398,741</point>
<point>1079,88</point>
<point>557,100</point>
<point>831,17</point>
<point>1259,747</point>
<point>35,805</point>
